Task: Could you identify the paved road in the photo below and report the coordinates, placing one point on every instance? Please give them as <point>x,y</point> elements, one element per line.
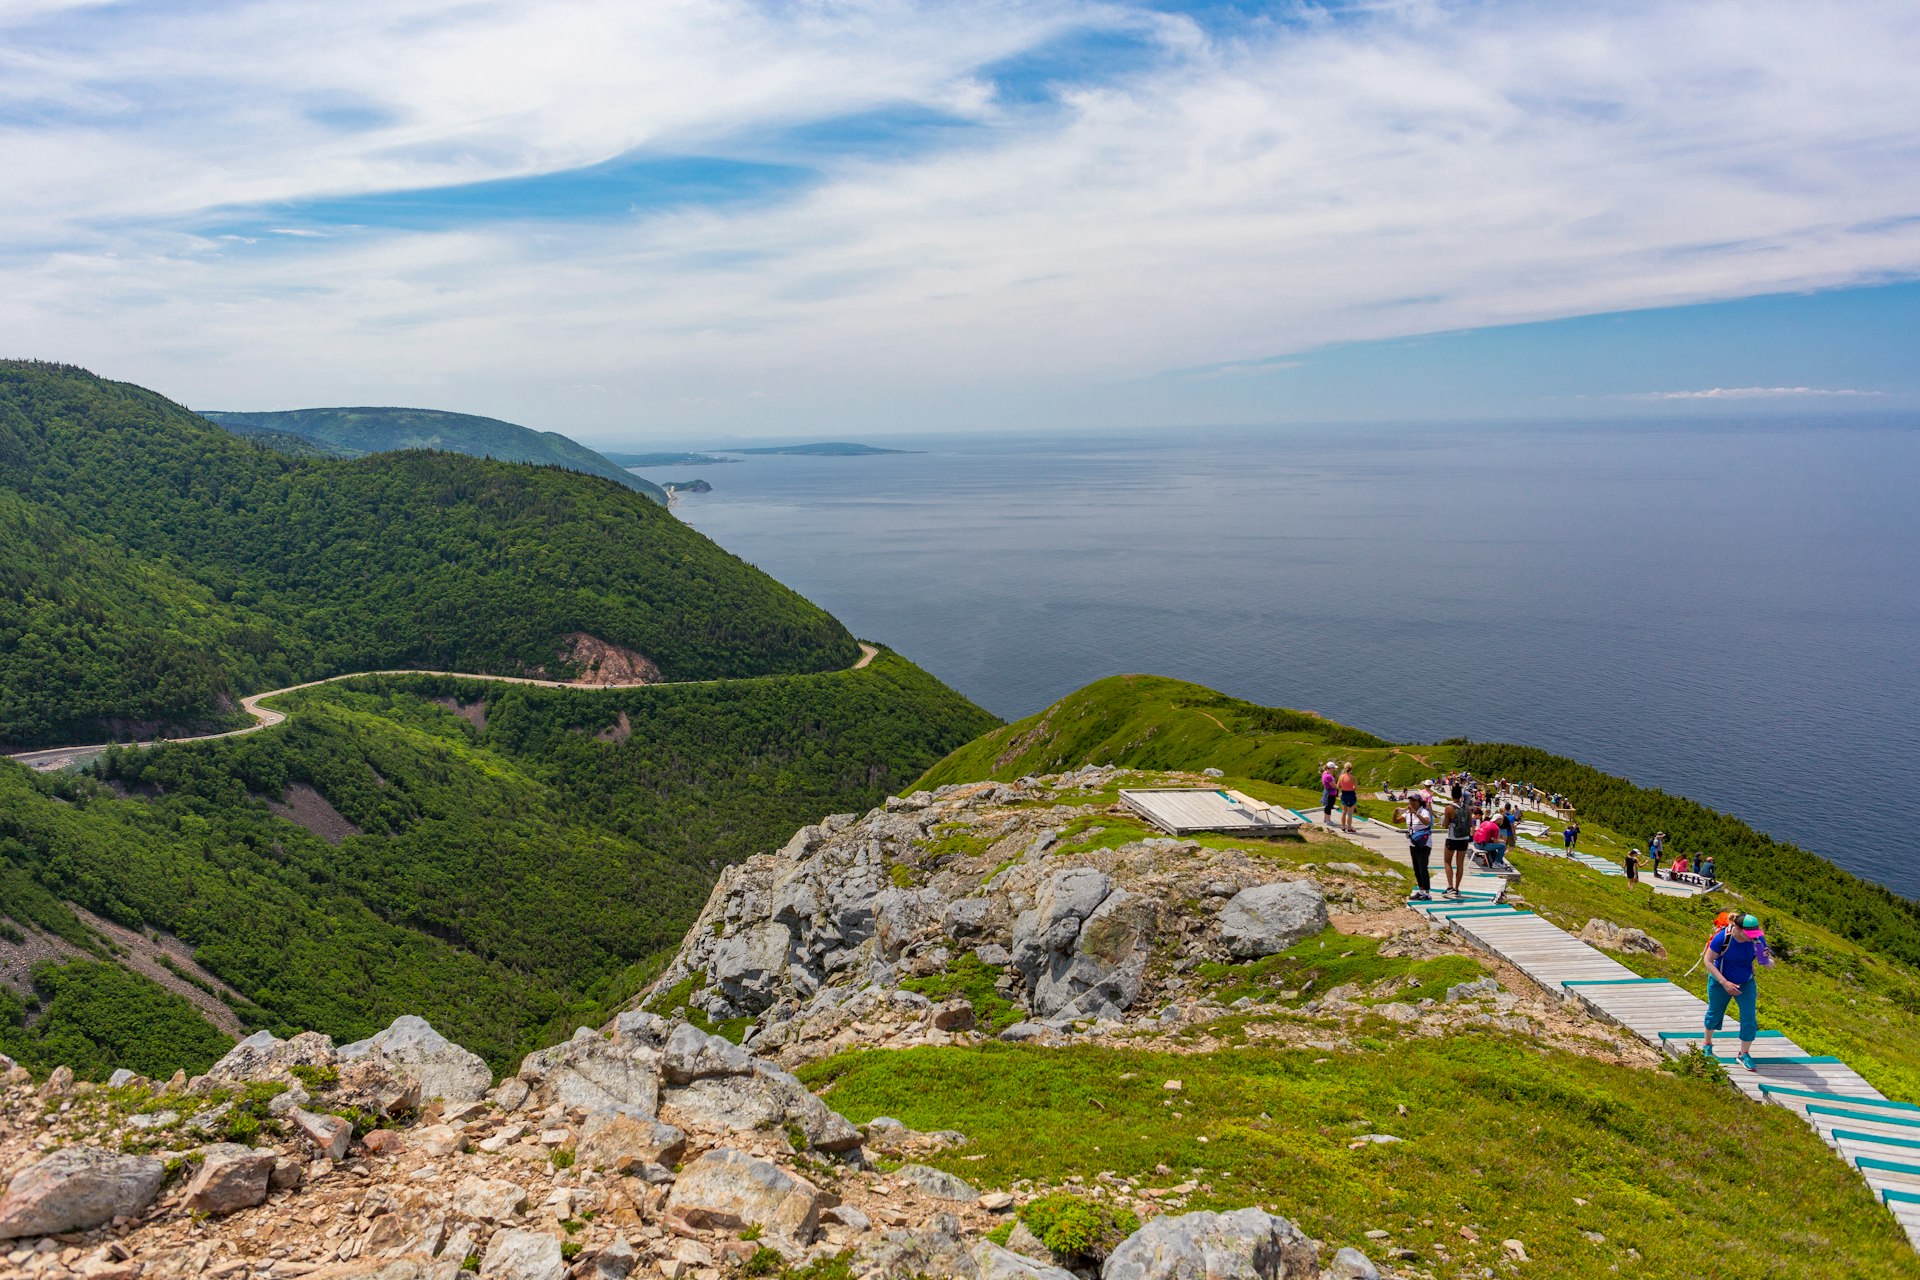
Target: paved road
<point>57,758</point>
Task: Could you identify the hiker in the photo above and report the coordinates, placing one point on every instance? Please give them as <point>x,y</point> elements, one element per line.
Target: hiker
<point>1679,867</point>
<point>1706,868</point>
<point>1420,847</point>
<point>1730,956</point>
<point>1459,837</point>
<point>1507,825</point>
<point>1656,847</point>
<point>1571,835</point>
<point>1328,792</point>
<point>1349,796</point>
<point>1633,866</point>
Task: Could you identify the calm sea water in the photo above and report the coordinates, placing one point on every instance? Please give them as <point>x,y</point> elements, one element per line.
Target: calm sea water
<point>1726,611</point>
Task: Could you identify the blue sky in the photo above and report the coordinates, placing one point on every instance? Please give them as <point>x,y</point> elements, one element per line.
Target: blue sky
<point>651,221</point>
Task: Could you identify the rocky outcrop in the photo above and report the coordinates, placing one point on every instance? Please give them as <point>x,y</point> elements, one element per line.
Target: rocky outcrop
<point>1269,918</point>
<point>1247,1244</point>
<point>412,1050</point>
<point>595,1072</point>
<point>1612,937</point>
<point>729,1190</point>
<point>75,1188</point>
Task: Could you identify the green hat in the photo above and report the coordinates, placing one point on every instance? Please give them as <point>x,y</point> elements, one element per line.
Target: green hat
<point>1749,922</point>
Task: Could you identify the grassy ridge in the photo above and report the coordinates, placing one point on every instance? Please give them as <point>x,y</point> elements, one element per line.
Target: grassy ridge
<point>1150,722</point>
<point>156,566</point>
<point>352,433</point>
<point>1676,1177</point>
<point>512,881</point>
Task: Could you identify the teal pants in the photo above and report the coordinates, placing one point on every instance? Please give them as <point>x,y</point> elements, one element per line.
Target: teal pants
<point>1717,998</point>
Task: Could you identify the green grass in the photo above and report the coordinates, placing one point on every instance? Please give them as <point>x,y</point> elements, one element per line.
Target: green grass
<point>1498,1135</point>
<point>1316,966</point>
<point>967,979</point>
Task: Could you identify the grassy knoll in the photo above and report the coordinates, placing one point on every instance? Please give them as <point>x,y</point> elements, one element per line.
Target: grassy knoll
<point>1677,1177</point>
<point>1149,722</point>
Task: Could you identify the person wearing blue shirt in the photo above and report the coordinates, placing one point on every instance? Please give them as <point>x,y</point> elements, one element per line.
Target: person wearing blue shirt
<point>1730,956</point>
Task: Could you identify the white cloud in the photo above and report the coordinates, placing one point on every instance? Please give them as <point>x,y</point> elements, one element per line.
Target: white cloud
<point>1750,393</point>
<point>1423,167</point>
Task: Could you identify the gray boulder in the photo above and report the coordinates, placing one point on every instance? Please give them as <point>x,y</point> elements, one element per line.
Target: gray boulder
<point>727,1190</point>
<point>768,1098</point>
<point>413,1050</point>
<point>935,1252</point>
<point>966,917</point>
<point>1351,1264</point>
<point>264,1055</point>
<point>1269,918</point>
<point>996,1263</point>
<point>328,1134</point>
<point>523,1255</point>
<point>231,1178</point>
<point>76,1189</point>
<point>1247,1244</point>
<point>637,1026</point>
<point>902,917</point>
<point>691,1054</point>
<point>937,1183</point>
<point>595,1074</point>
<point>623,1144</point>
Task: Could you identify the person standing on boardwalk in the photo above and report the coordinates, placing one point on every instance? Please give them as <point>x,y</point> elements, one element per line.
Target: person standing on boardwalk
<point>1349,796</point>
<point>1329,792</point>
<point>1657,847</point>
<point>1730,957</point>
<point>1633,866</point>
<point>1420,845</point>
<point>1571,834</point>
<point>1459,839</point>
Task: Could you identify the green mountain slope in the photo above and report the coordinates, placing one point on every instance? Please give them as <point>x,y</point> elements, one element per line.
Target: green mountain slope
<point>356,432</point>
<point>156,567</point>
<point>1150,722</point>
<point>521,853</point>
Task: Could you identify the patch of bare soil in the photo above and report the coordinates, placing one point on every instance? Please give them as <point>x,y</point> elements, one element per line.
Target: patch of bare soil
<point>144,955</point>
<point>308,808</point>
<point>474,713</point>
<point>601,663</point>
<point>617,732</point>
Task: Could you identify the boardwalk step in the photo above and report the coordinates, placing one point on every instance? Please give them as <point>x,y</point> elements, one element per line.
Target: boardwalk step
<point>1816,1095</point>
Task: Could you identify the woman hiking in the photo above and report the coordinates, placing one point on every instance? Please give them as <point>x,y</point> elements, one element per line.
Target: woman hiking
<point>1730,956</point>
<point>1459,839</point>
<point>1349,796</point>
<point>1633,866</point>
<point>1420,845</point>
<point>1329,792</point>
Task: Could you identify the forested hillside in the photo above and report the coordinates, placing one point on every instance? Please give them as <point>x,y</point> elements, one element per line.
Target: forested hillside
<point>1150,722</point>
<point>154,567</point>
<point>354,433</point>
<point>509,859</point>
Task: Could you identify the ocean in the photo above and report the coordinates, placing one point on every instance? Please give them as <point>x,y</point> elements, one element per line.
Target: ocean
<point>1724,610</point>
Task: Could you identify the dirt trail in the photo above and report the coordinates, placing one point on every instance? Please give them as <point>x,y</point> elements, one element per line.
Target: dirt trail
<point>265,717</point>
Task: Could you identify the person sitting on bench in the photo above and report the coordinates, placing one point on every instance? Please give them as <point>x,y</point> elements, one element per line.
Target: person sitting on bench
<point>1487,841</point>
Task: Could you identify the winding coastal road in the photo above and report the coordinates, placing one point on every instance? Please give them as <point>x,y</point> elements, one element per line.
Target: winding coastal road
<point>53,759</point>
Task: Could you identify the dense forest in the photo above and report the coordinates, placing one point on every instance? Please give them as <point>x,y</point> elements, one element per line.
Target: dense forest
<point>354,433</point>
<point>154,567</point>
<point>525,855</point>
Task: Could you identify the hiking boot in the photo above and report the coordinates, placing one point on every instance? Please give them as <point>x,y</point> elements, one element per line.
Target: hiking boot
<point>1420,895</point>
<point>1746,1060</point>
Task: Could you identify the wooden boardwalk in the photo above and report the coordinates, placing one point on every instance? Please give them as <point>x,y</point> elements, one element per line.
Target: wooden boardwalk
<point>1880,1138</point>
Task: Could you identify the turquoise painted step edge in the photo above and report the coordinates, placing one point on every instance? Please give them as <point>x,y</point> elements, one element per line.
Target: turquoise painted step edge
<point>1791,1092</point>
<point>1857,1115</point>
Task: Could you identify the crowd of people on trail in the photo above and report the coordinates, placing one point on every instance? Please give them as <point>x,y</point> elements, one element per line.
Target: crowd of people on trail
<point>1695,869</point>
<point>1476,826</point>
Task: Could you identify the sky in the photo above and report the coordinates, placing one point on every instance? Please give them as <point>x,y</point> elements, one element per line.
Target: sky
<point>680,219</point>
